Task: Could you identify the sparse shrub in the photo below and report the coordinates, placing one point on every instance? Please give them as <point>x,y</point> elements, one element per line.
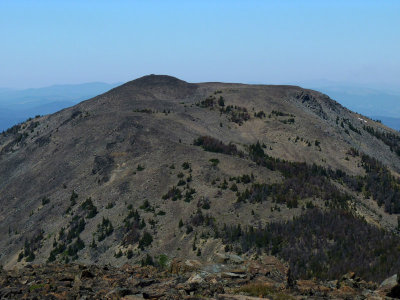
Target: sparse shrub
<point>77,225</point>
<point>58,249</point>
<point>163,261</point>
<point>74,248</point>
<point>234,187</point>
<point>110,205</point>
<point>118,254</point>
<point>147,261</point>
<point>353,152</point>
<point>189,194</point>
<point>204,203</point>
<point>93,244</point>
<point>221,101</point>
<point>246,178</point>
<point>174,194</point>
<point>214,161</point>
<point>146,205</point>
<point>224,185</point>
<point>89,207</point>
<point>104,229</point>
<point>260,114</point>
<point>142,224</point>
<point>73,198</point>
<point>129,254</point>
<point>146,240</point>
<point>45,200</point>
<point>189,229</point>
<point>309,205</point>
<point>20,256</point>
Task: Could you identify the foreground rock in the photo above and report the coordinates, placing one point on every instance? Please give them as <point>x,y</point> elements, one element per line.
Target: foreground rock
<point>266,278</point>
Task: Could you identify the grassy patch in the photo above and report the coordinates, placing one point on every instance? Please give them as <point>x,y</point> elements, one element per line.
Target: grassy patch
<point>35,287</point>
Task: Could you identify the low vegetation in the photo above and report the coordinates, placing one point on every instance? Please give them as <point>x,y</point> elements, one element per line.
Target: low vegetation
<point>213,145</point>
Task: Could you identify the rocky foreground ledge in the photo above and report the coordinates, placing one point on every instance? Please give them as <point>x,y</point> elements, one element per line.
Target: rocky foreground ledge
<point>230,279</point>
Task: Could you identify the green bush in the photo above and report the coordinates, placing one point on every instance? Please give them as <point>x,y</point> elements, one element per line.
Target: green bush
<point>163,261</point>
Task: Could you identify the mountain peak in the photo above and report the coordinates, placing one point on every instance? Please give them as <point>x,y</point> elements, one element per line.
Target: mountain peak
<point>154,79</point>
<point>160,86</point>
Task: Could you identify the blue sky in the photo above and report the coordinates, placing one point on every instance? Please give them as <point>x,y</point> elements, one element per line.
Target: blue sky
<point>59,42</point>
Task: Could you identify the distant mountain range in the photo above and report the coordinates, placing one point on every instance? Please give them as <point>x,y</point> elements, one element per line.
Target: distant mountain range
<point>18,105</point>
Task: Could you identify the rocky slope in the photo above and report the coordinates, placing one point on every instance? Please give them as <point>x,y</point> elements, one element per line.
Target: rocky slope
<point>159,167</point>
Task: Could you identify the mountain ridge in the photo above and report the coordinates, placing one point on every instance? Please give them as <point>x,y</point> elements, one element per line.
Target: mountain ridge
<point>158,166</point>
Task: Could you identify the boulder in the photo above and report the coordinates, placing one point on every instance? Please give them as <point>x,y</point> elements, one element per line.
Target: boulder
<point>390,287</point>
<point>233,275</point>
<point>228,258</point>
<point>180,267</point>
<point>195,278</point>
<point>269,267</point>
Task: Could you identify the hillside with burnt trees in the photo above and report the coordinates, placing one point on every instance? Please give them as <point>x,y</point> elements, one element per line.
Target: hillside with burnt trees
<point>158,170</point>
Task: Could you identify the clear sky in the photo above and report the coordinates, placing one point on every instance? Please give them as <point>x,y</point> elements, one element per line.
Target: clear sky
<point>58,42</point>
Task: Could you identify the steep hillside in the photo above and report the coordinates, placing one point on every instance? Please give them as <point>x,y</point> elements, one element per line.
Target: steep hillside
<point>161,166</point>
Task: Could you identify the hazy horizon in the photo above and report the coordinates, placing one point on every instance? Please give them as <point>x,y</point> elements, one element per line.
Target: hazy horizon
<point>311,84</point>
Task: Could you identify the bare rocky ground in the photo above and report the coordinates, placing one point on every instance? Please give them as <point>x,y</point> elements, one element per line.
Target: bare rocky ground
<point>264,278</point>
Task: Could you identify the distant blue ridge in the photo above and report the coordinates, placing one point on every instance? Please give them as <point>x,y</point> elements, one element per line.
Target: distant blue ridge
<point>18,105</point>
